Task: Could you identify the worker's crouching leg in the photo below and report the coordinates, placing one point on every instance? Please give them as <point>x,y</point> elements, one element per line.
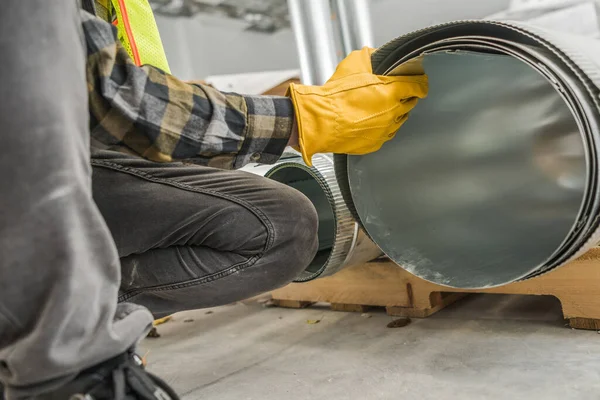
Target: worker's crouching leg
<point>193,237</point>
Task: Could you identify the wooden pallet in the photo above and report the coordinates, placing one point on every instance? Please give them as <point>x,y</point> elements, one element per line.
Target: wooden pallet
<point>383,284</point>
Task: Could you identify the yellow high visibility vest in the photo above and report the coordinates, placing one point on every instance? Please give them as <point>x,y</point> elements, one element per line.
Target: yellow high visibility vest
<point>137,29</point>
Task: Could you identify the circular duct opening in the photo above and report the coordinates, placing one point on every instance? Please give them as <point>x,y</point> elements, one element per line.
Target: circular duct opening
<point>303,179</point>
<point>489,181</point>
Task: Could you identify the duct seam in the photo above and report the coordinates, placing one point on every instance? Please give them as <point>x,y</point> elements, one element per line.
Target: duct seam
<point>345,232</point>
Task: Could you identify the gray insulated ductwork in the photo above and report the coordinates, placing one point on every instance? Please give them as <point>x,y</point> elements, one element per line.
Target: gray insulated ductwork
<point>494,177</point>
<point>341,242</point>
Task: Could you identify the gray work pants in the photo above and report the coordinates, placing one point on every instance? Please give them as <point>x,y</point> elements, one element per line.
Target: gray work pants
<point>187,236</point>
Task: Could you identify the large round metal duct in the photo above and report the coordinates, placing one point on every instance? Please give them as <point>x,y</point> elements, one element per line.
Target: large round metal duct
<point>341,241</point>
<point>494,177</point>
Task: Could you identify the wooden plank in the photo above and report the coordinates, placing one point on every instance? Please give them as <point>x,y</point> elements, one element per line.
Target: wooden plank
<point>374,284</point>
<point>438,301</point>
<point>584,323</point>
<point>281,89</point>
<point>350,307</point>
<point>384,284</point>
<point>291,303</point>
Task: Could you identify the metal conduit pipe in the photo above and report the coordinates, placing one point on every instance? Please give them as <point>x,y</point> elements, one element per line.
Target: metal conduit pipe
<point>494,177</point>
<point>341,242</point>
<point>354,17</point>
<point>313,30</point>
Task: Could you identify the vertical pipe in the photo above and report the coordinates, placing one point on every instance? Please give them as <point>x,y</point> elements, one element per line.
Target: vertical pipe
<point>355,24</point>
<point>311,22</point>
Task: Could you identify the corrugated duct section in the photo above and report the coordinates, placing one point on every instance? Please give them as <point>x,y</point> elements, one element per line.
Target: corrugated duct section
<point>494,178</point>
<point>342,242</point>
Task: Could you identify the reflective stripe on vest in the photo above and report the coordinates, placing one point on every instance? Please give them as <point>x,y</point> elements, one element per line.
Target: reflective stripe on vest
<point>137,29</point>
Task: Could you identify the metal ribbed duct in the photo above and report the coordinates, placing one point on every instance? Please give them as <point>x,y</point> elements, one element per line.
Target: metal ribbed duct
<point>494,177</point>
<point>341,242</point>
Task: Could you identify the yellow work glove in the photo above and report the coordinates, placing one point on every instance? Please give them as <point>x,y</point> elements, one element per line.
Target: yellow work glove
<point>356,111</point>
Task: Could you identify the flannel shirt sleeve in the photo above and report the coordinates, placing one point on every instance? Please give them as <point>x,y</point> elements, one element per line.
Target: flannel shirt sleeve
<point>155,115</point>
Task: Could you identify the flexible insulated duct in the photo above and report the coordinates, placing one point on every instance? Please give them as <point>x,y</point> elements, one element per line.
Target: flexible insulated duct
<point>341,242</point>
<point>494,177</point>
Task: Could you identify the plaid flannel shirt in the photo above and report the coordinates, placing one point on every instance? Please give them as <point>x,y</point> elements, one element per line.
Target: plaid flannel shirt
<point>145,111</point>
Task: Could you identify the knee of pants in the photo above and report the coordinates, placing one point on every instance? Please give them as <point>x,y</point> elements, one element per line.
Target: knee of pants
<point>295,225</point>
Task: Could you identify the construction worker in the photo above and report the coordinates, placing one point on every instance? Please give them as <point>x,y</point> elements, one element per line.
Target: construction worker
<point>152,220</point>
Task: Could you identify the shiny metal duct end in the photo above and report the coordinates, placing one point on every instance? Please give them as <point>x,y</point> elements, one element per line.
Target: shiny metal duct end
<point>341,242</point>
<point>494,178</point>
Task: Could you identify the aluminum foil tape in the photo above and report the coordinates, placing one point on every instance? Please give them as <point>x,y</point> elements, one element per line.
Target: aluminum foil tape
<point>494,177</point>
<point>342,242</point>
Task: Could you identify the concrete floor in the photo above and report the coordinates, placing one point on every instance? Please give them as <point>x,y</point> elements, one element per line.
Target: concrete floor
<point>483,347</point>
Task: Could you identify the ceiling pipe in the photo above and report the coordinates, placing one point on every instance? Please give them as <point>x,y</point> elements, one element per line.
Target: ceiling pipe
<point>354,19</point>
<point>313,30</point>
